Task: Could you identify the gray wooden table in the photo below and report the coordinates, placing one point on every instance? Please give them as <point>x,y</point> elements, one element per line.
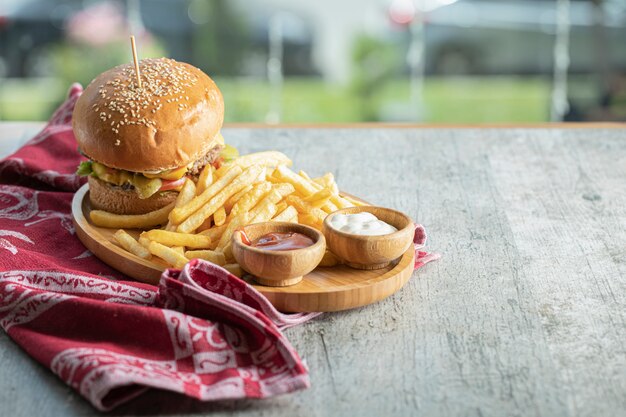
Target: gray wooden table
<point>523,316</point>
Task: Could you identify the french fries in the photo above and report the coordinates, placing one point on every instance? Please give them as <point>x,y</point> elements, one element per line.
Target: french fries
<point>131,245</point>
<point>240,220</point>
<point>265,214</point>
<point>228,253</point>
<point>178,239</point>
<point>306,208</point>
<point>303,187</point>
<point>286,215</point>
<point>250,199</point>
<point>205,179</point>
<point>234,269</point>
<point>239,182</point>
<point>228,206</point>
<point>212,256</point>
<point>280,207</point>
<point>267,159</point>
<point>354,201</point>
<point>219,217</point>
<point>144,241</point>
<point>214,232</point>
<point>320,198</point>
<point>179,214</point>
<point>253,188</point>
<point>186,194</point>
<point>130,221</point>
<point>169,255</point>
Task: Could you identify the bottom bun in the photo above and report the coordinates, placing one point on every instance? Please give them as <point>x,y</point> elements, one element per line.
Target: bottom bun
<point>103,196</point>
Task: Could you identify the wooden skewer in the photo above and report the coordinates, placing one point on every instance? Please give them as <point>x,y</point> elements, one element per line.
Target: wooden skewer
<point>132,44</point>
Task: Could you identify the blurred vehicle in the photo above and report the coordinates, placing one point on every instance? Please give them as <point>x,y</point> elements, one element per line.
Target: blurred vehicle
<point>204,32</point>
<point>517,36</point>
<point>26,27</point>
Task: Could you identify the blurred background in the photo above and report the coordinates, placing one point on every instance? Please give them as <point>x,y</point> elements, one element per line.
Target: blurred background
<point>430,61</point>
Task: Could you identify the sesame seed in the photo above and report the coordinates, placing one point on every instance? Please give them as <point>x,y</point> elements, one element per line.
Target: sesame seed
<point>163,80</point>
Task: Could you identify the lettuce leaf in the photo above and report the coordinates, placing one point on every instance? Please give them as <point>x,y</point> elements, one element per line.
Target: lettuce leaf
<point>84,169</point>
<point>229,153</point>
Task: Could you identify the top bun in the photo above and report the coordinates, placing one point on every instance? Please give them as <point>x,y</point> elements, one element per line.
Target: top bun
<point>171,121</point>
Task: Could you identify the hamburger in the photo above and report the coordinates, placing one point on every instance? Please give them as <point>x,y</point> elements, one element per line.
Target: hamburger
<point>142,143</point>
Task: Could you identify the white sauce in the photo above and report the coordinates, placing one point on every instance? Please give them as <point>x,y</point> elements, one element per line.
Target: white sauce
<point>361,224</point>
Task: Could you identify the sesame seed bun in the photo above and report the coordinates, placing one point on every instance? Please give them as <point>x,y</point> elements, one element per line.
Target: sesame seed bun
<point>170,122</point>
<point>103,196</point>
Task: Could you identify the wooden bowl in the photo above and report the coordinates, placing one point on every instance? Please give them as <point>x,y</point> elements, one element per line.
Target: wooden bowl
<point>278,268</point>
<point>370,252</point>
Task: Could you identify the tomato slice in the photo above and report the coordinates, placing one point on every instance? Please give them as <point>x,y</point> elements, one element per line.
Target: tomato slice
<point>172,184</point>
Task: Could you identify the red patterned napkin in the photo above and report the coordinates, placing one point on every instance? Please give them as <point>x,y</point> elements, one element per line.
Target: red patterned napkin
<point>202,332</point>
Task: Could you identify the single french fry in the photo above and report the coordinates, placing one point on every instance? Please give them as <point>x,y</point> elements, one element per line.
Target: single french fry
<point>164,237</point>
<point>214,233</point>
<point>323,194</point>
<point>240,220</point>
<point>228,206</point>
<point>196,219</point>
<point>326,180</point>
<point>264,214</point>
<point>130,244</point>
<point>302,186</point>
<point>169,255</point>
<point>250,199</point>
<point>228,253</point>
<point>234,269</point>
<point>224,169</point>
<point>273,179</point>
<point>219,217</point>
<point>340,202</point>
<point>130,221</point>
<point>267,159</point>
<point>329,207</point>
<point>329,259</point>
<point>280,207</point>
<point>144,241</point>
<point>179,214</point>
<point>287,214</point>
<point>305,176</point>
<point>208,255</point>
<point>185,195</point>
<point>205,179</point>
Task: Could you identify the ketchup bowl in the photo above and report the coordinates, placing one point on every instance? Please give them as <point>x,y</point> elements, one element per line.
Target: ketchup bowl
<point>370,252</point>
<point>277,268</point>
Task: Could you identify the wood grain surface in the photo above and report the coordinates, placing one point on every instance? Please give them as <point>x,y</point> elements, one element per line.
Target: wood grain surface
<point>324,289</point>
<point>523,316</point>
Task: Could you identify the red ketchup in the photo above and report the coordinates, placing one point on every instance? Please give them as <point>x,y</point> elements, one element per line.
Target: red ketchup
<point>282,241</point>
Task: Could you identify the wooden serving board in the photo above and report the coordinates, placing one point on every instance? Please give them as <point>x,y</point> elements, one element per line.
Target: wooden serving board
<point>324,289</point>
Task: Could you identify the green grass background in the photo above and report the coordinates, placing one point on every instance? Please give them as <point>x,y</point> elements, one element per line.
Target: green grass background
<point>310,100</point>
